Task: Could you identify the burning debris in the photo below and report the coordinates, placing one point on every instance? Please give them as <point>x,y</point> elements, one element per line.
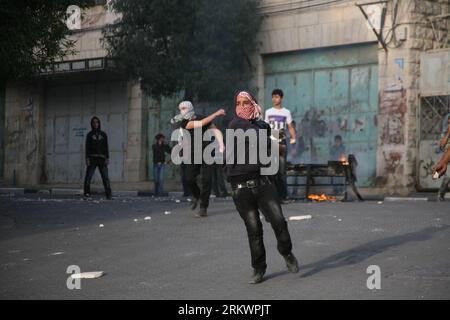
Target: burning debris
<point>344,169</point>
<point>321,198</point>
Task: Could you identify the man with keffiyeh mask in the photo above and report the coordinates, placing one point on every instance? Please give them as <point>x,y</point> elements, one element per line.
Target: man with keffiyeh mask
<point>254,193</point>
<point>187,119</point>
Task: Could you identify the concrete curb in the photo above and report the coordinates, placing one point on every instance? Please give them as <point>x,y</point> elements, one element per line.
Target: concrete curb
<point>125,193</point>
<point>177,194</point>
<point>57,191</point>
<point>400,199</point>
<point>12,190</point>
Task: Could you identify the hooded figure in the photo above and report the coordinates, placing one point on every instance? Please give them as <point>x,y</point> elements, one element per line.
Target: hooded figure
<point>97,141</point>
<point>97,155</point>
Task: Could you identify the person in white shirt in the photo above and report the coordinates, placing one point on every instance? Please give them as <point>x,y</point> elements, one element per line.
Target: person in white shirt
<point>280,118</point>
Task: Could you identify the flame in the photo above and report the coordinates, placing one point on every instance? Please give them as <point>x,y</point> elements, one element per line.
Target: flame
<point>322,197</point>
<point>344,161</point>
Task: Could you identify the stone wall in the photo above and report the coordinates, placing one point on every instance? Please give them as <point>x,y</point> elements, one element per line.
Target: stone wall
<point>135,163</point>
<point>87,40</point>
<point>399,89</point>
<point>24,133</point>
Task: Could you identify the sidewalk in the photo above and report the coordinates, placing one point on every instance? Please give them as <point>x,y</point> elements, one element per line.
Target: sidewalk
<point>145,189</point>
<point>134,189</point>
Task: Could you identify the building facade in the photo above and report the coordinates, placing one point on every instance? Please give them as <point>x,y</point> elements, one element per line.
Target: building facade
<point>344,72</point>
<point>342,78</point>
<point>47,119</point>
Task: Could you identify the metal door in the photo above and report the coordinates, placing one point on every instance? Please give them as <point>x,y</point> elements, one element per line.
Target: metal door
<point>330,92</point>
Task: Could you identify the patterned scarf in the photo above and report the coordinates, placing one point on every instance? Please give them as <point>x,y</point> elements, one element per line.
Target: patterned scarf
<point>250,112</point>
<point>186,112</point>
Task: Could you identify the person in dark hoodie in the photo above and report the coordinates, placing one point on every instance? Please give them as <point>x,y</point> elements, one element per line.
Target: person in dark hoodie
<point>253,193</point>
<point>97,155</point>
<point>160,148</point>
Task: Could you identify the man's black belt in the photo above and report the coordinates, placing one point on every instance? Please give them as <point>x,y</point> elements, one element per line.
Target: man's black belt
<point>253,183</point>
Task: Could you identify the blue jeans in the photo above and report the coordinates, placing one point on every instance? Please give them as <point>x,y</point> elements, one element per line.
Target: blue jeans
<point>158,175</point>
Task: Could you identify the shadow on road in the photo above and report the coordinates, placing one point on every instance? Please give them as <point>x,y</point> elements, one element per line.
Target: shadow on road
<point>367,250</point>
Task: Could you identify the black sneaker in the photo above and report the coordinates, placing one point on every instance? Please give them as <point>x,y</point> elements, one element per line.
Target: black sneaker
<point>194,203</point>
<point>291,263</point>
<point>202,213</point>
<point>87,195</point>
<point>441,198</point>
<point>257,277</point>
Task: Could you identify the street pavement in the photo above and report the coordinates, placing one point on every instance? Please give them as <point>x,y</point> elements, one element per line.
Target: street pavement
<point>176,256</point>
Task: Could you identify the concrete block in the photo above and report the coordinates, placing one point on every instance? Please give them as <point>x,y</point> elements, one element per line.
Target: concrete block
<point>12,190</point>
<point>61,191</point>
<point>306,19</point>
<point>400,199</point>
<point>125,193</point>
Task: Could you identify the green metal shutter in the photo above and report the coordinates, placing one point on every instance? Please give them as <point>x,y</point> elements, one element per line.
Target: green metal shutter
<point>332,91</point>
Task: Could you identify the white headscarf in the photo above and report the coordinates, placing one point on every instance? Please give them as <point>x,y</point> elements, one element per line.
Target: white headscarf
<point>186,113</point>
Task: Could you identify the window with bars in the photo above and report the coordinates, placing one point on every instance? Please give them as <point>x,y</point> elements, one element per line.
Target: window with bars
<point>433,115</point>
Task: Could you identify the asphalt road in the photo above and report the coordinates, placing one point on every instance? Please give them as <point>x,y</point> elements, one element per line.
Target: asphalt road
<point>177,256</point>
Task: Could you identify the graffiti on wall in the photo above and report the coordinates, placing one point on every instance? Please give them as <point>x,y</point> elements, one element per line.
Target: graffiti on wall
<point>22,137</point>
<point>392,117</point>
<point>79,131</point>
<point>28,119</point>
<point>392,125</point>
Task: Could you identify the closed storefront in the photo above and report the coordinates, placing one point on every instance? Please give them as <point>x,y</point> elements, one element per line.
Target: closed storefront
<point>68,111</point>
<point>2,129</point>
<point>330,91</point>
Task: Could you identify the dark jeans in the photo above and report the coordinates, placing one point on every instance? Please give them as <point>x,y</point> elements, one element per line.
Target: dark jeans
<point>280,179</point>
<point>263,198</point>
<point>218,181</point>
<point>90,170</point>
<point>186,190</point>
<point>444,186</point>
<point>192,171</point>
<point>158,176</point>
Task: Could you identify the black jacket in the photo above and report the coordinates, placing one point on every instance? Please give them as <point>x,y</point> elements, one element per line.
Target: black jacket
<point>243,172</point>
<point>97,143</point>
<point>159,152</point>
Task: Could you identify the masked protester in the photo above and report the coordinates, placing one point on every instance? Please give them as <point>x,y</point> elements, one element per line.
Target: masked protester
<point>253,193</point>
<point>97,155</point>
<point>190,121</point>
